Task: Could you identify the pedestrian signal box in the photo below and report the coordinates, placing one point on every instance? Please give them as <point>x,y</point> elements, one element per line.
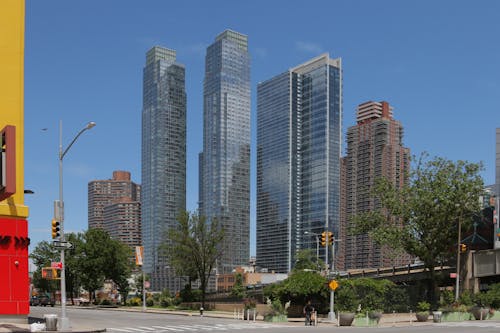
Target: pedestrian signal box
<point>51,273</point>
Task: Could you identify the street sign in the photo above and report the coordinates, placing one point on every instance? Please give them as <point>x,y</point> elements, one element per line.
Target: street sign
<point>147,284</point>
<point>453,275</point>
<point>333,284</point>
<point>56,264</point>
<point>62,245</point>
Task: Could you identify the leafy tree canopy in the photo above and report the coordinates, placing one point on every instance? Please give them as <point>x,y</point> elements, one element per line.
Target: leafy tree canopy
<point>422,217</point>
<point>193,247</point>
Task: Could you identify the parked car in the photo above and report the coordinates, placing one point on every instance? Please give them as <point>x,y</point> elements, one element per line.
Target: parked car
<point>34,301</point>
<point>45,300</point>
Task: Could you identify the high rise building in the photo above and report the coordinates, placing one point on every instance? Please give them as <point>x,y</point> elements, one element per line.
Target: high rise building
<point>163,159</point>
<point>122,220</point>
<point>224,191</point>
<point>299,115</point>
<point>374,150</point>
<point>114,205</point>
<point>102,193</point>
<point>497,163</point>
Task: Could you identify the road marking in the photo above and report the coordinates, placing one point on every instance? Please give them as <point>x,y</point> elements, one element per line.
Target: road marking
<point>471,324</point>
<point>198,327</point>
<point>168,328</point>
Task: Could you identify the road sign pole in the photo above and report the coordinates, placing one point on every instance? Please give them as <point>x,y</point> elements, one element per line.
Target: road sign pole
<point>331,314</point>
<point>143,290</point>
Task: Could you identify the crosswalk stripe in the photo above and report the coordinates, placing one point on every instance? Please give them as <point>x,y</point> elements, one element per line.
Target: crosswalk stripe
<point>205,328</point>
<point>198,327</point>
<point>168,328</point>
<point>189,328</point>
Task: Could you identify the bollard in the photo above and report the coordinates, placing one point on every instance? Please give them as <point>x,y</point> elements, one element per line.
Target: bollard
<point>254,314</point>
<point>411,318</point>
<point>201,311</point>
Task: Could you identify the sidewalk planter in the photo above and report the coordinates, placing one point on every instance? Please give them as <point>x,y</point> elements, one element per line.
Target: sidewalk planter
<point>276,318</point>
<point>480,313</point>
<point>346,318</point>
<point>422,316</point>
<point>450,316</point>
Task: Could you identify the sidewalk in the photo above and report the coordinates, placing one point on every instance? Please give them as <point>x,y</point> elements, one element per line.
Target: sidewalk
<point>387,320</point>
<point>21,327</point>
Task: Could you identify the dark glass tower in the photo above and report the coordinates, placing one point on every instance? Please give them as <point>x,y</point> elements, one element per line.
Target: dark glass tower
<point>299,115</point>
<point>225,162</point>
<point>163,158</point>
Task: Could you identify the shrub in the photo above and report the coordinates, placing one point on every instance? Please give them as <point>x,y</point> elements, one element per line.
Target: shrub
<point>150,301</point>
<point>489,298</point>
<point>446,299</point>
<point>466,298</point>
<point>135,301</point>
<point>165,302</point>
<point>423,306</point>
<point>105,302</point>
<point>249,303</point>
<point>396,299</point>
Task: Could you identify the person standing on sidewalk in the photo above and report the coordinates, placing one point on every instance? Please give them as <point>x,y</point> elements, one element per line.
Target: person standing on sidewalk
<point>308,311</point>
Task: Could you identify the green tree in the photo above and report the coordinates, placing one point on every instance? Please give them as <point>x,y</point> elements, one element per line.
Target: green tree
<point>306,259</point>
<point>118,266</point>
<point>71,261</point>
<point>138,278</point>
<point>93,259</point>
<point>196,244</point>
<point>42,255</point>
<point>239,289</point>
<point>300,287</point>
<point>422,218</point>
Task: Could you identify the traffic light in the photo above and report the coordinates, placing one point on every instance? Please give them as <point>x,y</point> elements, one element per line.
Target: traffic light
<point>463,248</point>
<point>330,238</point>
<point>50,273</point>
<point>56,230</point>
<point>324,237</point>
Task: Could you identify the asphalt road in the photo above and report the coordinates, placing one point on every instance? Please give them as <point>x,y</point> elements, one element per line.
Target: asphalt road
<point>134,322</point>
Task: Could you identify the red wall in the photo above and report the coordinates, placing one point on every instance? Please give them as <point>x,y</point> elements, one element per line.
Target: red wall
<point>14,284</point>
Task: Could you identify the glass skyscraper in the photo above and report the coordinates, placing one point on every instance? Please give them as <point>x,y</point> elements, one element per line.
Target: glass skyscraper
<point>163,159</point>
<point>299,115</point>
<point>224,191</point>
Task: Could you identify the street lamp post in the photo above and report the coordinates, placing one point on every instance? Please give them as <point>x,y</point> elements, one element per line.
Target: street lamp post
<point>64,322</point>
<point>459,241</point>
<point>317,244</point>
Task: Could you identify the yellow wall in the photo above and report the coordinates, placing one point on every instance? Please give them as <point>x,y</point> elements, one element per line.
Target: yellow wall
<point>12,94</point>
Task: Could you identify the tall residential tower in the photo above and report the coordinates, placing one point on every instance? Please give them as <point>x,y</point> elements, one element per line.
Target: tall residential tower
<point>299,115</point>
<point>224,191</point>
<point>163,159</point>
<point>374,150</point>
<point>102,193</point>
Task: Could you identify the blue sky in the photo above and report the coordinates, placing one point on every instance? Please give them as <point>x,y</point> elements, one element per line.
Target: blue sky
<point>436,62</point>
